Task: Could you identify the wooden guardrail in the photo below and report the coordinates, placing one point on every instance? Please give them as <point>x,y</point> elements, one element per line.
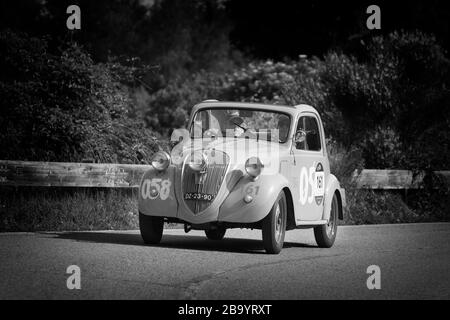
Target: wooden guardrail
<point>65,174</point>
<point>393,179</point>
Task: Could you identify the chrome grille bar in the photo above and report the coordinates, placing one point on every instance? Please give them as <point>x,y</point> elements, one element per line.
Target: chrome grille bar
<point>211,182</point>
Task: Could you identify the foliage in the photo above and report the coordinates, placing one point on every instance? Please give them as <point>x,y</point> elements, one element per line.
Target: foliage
<point>373,207</point>
<point>31,209</point>
<point>366,206</point>
<point>386,107</point>
<point>421,95</point>
<point>374,102</point>
<point>345,164</point>
<point>169,107</point>
<point>63,107</point>
<point>400,82</point>
<point>433,201</point>
<point>382,148</point>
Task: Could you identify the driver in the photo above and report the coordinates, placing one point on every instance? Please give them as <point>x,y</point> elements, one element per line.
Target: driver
<point>236,123</point>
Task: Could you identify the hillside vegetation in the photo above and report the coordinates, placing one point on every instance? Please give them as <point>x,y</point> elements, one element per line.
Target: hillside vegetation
<point>384,101</point>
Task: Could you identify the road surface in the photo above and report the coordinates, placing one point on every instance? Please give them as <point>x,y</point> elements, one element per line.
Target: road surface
<point>414,261</point>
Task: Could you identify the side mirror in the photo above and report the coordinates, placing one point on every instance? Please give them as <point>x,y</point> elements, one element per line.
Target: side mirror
<point>300,136</point>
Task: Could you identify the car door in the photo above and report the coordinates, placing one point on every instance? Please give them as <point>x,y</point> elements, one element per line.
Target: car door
<point>309,168</point>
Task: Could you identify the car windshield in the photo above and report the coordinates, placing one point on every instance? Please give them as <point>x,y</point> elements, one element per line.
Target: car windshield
<point>241,123</point>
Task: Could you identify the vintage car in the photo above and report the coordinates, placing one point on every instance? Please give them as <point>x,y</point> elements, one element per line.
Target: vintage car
<point>244,165</point>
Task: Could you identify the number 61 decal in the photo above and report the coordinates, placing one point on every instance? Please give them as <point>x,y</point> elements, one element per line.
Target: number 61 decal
<point>312,184</point>
<point>154,188</point>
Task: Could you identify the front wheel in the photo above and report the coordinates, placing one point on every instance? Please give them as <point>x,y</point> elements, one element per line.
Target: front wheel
<point>326,234</point>
<point>274,225</point>
<point>151,228</point>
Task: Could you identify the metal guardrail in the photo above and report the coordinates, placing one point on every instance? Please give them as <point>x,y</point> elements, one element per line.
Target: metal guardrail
<point>99,175</point>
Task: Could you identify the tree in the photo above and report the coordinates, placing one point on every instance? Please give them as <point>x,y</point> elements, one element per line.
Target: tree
<point>64,107</point>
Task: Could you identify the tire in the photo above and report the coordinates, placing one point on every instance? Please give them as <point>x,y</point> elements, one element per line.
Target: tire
<point>151,228</point>
<point>274,226</point>
<point>326,234</point>
<point>215,234</point>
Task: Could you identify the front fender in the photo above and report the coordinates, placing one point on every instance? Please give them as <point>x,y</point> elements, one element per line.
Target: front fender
<point>157,193</point>
<point>264,191</point>
<point>332,186</point>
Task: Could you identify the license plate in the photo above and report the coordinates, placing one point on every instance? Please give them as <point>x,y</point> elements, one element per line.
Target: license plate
<point>198,196</point>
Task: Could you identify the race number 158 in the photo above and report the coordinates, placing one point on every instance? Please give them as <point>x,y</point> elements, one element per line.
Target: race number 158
<point>154,188</point>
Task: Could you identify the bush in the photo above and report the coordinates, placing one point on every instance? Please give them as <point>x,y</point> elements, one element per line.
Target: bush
<point>366,206</point>
<point>264,81</point>
<point>375,207</point>
<point>382,148</point>
<point>42,209</point>
<point>401,78</point>
<point>344,163</point>
<point>63,107</point>
<point>419,77</point>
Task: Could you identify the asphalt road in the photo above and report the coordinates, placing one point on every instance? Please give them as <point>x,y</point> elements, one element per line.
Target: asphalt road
<point>414,261</point>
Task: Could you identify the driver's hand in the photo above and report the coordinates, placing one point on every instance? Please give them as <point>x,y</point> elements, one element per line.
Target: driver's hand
<point>238,131</point>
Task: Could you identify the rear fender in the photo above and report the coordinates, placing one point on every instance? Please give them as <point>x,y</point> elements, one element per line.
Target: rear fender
<point>332,185</point>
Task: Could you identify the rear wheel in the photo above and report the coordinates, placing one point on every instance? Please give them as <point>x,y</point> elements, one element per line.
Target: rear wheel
<point>326,234</point>
<point>151,228</point>
<point>274,226</point>
<point>215,234</point>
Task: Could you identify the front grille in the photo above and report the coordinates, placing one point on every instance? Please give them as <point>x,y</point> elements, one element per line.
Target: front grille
<point>204,183</point>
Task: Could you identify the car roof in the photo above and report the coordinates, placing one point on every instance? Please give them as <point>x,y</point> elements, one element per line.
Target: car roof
<point>293,110</point>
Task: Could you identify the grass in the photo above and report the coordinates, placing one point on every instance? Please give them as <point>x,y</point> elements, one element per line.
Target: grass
<point>45,209</point>
<point>58,209</point>
<point>378,207</point>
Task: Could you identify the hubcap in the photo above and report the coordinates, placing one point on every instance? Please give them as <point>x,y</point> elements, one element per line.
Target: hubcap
<point>278,223</point>
<point>332,222</point>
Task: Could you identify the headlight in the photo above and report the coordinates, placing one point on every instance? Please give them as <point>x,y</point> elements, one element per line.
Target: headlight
<point>198,161</point>
<point>254,166</point>
<point>160,160</point>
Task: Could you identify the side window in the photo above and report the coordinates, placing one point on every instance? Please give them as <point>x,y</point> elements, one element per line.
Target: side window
<point>301,126</point>
<point>201,123</point>
<point>311,128</point>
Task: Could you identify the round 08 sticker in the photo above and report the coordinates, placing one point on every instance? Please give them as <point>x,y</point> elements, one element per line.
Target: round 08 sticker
<point>312,184</point>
